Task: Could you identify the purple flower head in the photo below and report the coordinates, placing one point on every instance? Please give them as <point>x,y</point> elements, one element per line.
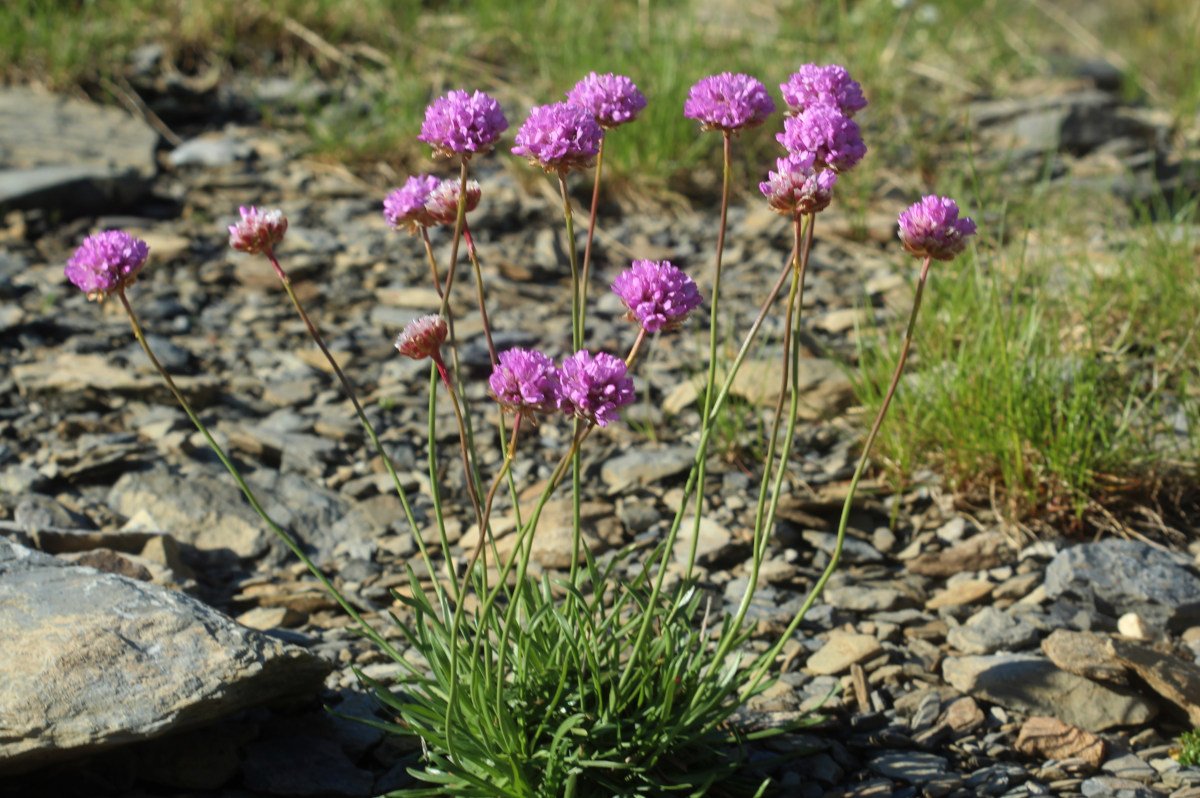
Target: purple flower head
<point>258,231</point>
<point>593,387</point>
<point>106,262</point>
<point>612,99</point>
<point>832,138</point>
<point>525,381</point>
<point>405,206</point>
<point>422,338</point>
<point>441,205</point>
<point>931,228</point>
<point>823,85</point>
<point>797,187</point>
<point>728,102</point>
<point>559,137</point>
<point>659,296</point>
<point>462,124</point>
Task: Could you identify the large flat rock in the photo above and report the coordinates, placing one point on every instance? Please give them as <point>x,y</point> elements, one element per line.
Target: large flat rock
<point>71,156</point>
<point>93,660</point>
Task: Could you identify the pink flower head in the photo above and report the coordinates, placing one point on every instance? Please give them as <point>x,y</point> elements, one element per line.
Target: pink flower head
<point>595,387</point>
<point>525,381</point>
<point>422,338</point>
<point>797,187</point>
<point>106,262</point>
<point>612,99</point>
<point>258,232</point>
<point>823,85</point>
<point>405,206</point>
<point>931,228</point>
<point>659,296</point>
<point>728,102</point>
<point>832,138</point>
<point>441,206</point>
<point>462,124</point>
<point>559,137</point>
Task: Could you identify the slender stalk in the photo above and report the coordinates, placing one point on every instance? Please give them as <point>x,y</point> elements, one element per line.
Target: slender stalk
<point>696,477</point>
<point>576,345</point>
<point>483,314</point>
<point>635,350</point>
<point>459,221</point>
<point>765,659</point>
<point>287,539</point>
<point>433,269</point>
<point>714,329</point>
<point>591,231</point>
<point>390,467</point>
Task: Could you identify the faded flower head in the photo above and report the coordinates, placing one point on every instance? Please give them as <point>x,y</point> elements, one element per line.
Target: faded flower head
<point>931,228</point>
<point>823,85</point>
<point>832,138</point>
<point>106,262</point>
<point>441,206</point>
<point>422,338</point>
<point>259,231</point>
<point>594,387</point>
<point>659,296</point>
<point>559,137</point>
<point>462,124</point>
<point>728,101</point>
<point>525,381</point>
<point>797,187</point>
<point>612,99</point>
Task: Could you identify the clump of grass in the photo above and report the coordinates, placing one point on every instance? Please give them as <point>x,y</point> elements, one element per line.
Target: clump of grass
<point>1189,749</point>
<point>1050,381</point>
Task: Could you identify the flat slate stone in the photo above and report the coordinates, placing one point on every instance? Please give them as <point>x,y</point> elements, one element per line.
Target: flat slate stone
<point>1120,576</point>
<point>92,661</point>
<point>69,155</point>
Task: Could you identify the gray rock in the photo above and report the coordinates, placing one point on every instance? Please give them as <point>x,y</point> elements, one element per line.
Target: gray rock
<point>1112,787</point>
<point>914,767</point>
<point>96,660</point>
<point>1034,685</point>
<point>853,549</point>
<point>303,764</point>
<point>991,630</point>
<point>210,152</point>
<point>1120,576</point>
<point>69,155</point>
<point>643,467</point>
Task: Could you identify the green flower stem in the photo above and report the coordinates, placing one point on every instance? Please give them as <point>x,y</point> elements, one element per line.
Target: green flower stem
<point>358,408</point>
<point>576,345</point>
<point>713,331</point>
<point>435,490</point>
<point>701,451</point>
<point>591,232</point>
<point>459,222</point>
<point>484,534</point>
<point>764,516</point>
<point>287,539</point>
<point>483,314</point>
<point>433,269</point>
<point>765,659</point>
<point>699,467</point>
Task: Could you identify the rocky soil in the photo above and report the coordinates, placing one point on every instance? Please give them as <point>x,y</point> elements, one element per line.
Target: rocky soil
<point>948,657</point>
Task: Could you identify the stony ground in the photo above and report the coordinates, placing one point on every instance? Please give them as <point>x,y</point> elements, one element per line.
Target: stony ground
<point>962,660</point>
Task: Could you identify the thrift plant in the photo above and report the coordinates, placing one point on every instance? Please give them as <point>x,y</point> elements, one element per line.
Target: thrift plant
<point>612,680</point>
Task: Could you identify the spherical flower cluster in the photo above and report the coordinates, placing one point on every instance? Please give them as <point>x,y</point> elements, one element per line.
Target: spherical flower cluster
<point>441,205</point>
<point>462,124</point>
<point>259,231</point>
<point>823,85</point>
<point>525,381</point>
<point>405,206</point>
<point>728,102</point>
<point>612,99</point>
<point>594,387</point>
<point>659,296</point>
<point>797,187</point>
<point>559,137</point>
<point>833,139</point>
<point>423,337</point>
<point>106,262</point>
<point>931,228</point>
